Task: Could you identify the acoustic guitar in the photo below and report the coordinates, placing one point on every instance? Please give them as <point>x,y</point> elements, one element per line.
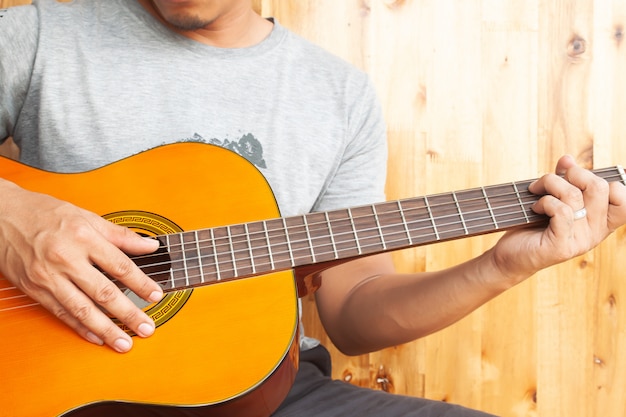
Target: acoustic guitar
<point>232,270</point>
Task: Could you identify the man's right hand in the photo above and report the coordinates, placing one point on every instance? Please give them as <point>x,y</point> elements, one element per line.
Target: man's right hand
<point>54,252</point>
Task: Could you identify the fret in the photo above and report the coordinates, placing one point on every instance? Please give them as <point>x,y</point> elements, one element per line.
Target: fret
<point>240,250</point>
<point>622,174</point>
<point>215,257</point>
<point>432,218</point>
<point>446,216</point>
<point>308,237</point>
<point>293,261</point>
<point>458,207</point>
<point>321,237</point>
<point>367,231</point>
<point>476,211</point>
<point>380,230</point>
<point>345,239</point>
<point>404,222</point>
<point>419,220</point>
<point>393,225</point>
<point>207,255</point>
<point>258,248</point>
<point>225,253</point>
<point>174,259</point>
<point>510,205</point>
<point>331,234</point>
<point>356,237</point>
<point>199,255</point>
<point>521,203</point>
<point>493,217</point>
<point>247,233</point>
<point>279,246</point>
<point>191,262</point>
<point>269,246</point>
<point>232,251</point>
<point>185,266</point>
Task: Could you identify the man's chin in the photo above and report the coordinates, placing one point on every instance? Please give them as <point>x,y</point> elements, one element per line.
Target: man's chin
<point>186,23</point>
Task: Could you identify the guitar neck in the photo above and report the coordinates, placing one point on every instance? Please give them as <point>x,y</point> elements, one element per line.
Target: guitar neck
<point>206,256</point>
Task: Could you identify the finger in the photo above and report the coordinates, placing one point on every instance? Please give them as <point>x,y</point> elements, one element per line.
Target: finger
<point>560,214</point>
<point>110,259</point>
<point>564,163</point>
<point>107,295</point>
<point>594,191</point>
<point>79,307</point>
<point>616,215</point>
<point>50,303</point>
<point>129,241</point>
<point>560,188</point>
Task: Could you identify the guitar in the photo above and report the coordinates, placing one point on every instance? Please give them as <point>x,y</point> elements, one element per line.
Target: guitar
<point>232,270</point>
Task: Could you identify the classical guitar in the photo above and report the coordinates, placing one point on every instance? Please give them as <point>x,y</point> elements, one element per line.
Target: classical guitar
<point>232,269</point>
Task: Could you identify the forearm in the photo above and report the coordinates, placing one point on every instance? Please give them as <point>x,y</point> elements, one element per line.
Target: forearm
<point>390,309</point>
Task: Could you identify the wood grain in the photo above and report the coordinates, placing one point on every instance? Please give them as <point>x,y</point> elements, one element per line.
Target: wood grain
<point>482,92</point>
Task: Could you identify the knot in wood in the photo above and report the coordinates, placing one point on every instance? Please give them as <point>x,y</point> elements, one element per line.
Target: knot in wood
<point>619,34</point>
<point>576,47</point>
<point>347,376</point>
<point>383,379</point>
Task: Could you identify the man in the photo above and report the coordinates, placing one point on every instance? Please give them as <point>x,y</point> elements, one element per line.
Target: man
<point>87,83</point>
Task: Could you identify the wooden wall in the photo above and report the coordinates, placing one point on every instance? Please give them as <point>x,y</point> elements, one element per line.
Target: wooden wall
<point>479,92</point>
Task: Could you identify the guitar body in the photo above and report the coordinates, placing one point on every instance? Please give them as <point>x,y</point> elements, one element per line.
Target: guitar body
<point>228,348</point>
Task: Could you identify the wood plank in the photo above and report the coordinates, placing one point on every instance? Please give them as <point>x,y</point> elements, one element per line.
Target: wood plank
<point>483,92</point>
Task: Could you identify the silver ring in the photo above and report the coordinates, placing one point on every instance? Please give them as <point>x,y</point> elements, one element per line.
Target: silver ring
<point>580,214</point>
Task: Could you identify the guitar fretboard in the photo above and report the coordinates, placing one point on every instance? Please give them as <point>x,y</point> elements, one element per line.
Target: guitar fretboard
<point>222,253</point>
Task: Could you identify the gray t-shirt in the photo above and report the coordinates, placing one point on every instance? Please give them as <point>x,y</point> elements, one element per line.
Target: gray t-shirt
<point>89,82</point>
<point>86,83</point>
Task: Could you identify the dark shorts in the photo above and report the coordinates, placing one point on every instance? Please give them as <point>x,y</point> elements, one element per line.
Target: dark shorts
<point>314,393</point>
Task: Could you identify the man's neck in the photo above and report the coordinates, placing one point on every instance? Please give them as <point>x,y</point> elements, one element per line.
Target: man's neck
<point>237,29</point>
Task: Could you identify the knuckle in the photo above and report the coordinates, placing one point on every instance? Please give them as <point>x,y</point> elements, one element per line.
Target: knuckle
<point>81,311</point>
<point>58,252</point>
<point>563,210</point>
<point>130,316</point>
<point>105,294</point>
<point>122,269</point>
<point>573,194</point>
<point>60,313</point>
<point>37,280</point>
<point>145,286</point>
<point>599,186</point>
<point>109,332</point>
<point>82,232</point>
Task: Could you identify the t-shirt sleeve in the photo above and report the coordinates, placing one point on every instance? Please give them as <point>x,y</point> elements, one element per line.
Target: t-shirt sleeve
<point>18,46</point>
<point>361,175</point>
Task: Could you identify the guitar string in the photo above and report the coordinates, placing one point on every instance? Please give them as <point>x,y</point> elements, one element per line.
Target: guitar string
<point>403,233</point>
<point>302,228</point>
<point>519,195</point>
<point>264,237</point>
<point>265,234</point>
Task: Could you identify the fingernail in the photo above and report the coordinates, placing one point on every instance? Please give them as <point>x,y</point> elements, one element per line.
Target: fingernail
<point>145,329</point>
<point>153,241</point>
<point>122,345</point>
<point>155,296</point>
<point>94,339</point>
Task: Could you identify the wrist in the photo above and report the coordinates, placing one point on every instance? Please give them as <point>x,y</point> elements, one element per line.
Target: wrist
<point>504,272</point>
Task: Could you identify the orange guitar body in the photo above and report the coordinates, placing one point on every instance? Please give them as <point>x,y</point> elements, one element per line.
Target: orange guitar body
<point>226,349</point>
